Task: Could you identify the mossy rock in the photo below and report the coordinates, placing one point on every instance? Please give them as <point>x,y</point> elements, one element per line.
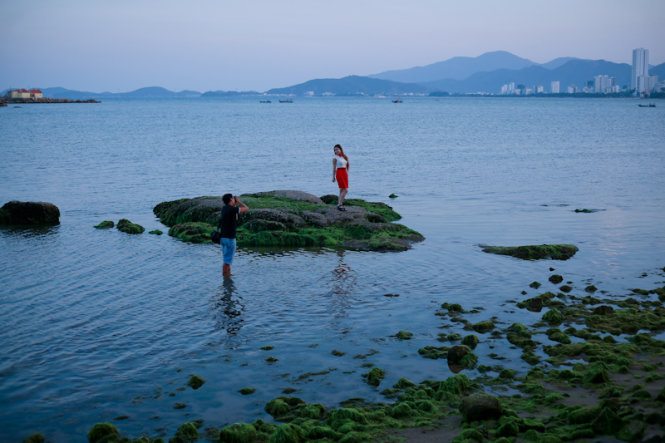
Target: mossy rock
<point>195,382</point>
<point>103,433</point>
<point>106,224</point>
<point>556,279</point>
<point>483,326</point>
<point>287,433</point>
<point>481,407</point>
<point>238,433</point>
<point>156,232</point>
<point>281,408</point>
<point>128,227</point>
<point>434,352</point>
<point>247,391</point>
<point>471,341</point>
<point>35,438</point>
<point>534,252</point>
<point>553,317</point>
<point>375,376</point>
<point>404,335</point>
<point>292,219</point>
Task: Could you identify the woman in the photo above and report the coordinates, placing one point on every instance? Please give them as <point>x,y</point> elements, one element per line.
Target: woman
<point>340,174</point>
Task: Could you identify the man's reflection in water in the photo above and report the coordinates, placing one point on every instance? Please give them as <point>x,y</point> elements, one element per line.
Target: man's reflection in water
<point>228,308</point>
<point>343,281</point>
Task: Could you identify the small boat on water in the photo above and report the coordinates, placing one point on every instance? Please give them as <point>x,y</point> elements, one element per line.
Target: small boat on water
<point>397,100</point>
<point>288,100</point>
<point>265,101</point>
<point>650,105</point>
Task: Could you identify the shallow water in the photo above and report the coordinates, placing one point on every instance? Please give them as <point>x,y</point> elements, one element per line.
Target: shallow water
<point>99,324</point>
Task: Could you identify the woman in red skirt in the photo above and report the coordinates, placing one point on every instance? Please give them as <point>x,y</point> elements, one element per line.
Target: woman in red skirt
<point>340,174</point>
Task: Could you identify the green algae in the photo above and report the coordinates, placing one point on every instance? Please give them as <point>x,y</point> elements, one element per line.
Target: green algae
<point>247,391</point>
<point>404,335</point>
<point>267,348</point>
<point>471,341</point>
<point>106,224</point>
<point>156,232</point>
<point>337,353</point>
<point>128,227</point>
<point>195,382</point>
<point>103,433</point>
<point>434,352</point>
<point>35,438</point>
<point>535,285</point>
<point>238,433</point>
<point>393,196</point>
<point>483,326</point>
<point>374,376</point>
<point>534,252</point>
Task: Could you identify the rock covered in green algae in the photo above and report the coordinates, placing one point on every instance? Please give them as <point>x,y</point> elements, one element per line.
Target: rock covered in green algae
<point>102,433</point>
<point>404,335</point>
<point>35,438</point>
<point>374,376</point>
<point>187,432</point>
<point>480,407</point>
<point>238,433</point>
<point>292,219</point>
<point>461,356</point>
<point>195,382</point>
<point>106,224</point>
<point>128,227</point>
<point>534,252</point>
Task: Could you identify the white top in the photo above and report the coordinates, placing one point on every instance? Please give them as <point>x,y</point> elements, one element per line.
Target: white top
<point>341,162</point>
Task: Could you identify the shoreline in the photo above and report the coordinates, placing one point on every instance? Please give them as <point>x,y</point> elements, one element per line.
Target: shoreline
<point>595,370</point>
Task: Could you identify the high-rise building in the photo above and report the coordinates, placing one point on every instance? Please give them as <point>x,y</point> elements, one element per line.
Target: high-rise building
<point>640,75</point>
<point>555,87</point>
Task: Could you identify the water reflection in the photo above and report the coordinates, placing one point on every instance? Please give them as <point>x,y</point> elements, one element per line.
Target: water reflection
<point>228,307</point>
<point>343,281</point>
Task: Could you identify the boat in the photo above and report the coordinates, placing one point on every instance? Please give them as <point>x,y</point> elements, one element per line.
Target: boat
<point>397,100</point>
<point>288,100</point>
<point>265,101</point>
<point>650,105</point>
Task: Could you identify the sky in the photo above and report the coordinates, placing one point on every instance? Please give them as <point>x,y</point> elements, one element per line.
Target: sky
<point>211,45</point>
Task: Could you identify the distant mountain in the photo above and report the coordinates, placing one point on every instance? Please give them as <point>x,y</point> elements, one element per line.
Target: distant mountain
<point>457,68</point>
<point>557,62</point>
<point>658,70</point>
<point>143,93</point>
<point>351,86</point>
<point>574,72</point>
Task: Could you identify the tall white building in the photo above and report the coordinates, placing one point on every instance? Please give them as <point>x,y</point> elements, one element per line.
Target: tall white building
<point>555,87</point>
<point>640,75</point>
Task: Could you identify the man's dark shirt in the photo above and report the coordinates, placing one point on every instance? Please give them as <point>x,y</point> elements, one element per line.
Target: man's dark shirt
<point>229,221</point>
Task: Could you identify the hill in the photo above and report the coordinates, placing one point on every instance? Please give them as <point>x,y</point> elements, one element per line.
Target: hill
<point>353,85</point>
<point>457,68</point>
<point>574,72</point>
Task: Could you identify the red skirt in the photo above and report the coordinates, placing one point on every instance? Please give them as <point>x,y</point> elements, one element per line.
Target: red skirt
<point>342,178</point>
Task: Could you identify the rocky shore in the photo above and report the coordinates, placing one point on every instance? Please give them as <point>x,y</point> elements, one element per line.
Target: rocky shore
<point>597,371</point>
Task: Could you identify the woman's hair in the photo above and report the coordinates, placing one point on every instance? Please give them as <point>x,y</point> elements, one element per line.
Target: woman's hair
<point>343,154</point>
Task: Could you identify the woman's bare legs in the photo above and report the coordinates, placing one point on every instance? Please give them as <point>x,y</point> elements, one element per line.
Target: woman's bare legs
<point>342,194</point>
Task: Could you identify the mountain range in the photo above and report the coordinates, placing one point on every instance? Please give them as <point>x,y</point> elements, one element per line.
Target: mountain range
<point>458,75</point>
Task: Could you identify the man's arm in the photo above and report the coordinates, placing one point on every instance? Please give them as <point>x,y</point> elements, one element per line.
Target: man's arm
<point>243,207</point>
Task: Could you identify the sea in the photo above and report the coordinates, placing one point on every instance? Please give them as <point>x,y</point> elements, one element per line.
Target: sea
<point>102,326</point>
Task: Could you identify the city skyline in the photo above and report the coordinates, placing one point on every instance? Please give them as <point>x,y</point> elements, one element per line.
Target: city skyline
<point>123,46</point>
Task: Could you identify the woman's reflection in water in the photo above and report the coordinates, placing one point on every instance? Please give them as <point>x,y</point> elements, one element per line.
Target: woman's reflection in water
<point>228,307</point>
<point>342,283</point>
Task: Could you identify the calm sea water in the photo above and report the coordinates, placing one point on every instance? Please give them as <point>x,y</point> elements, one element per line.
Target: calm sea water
<point>100,325</point>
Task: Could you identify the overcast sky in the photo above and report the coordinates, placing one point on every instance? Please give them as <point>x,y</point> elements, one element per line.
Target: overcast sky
<point>203,45</point>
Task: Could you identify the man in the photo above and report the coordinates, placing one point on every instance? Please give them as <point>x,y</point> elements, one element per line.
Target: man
<point>227,225</point>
